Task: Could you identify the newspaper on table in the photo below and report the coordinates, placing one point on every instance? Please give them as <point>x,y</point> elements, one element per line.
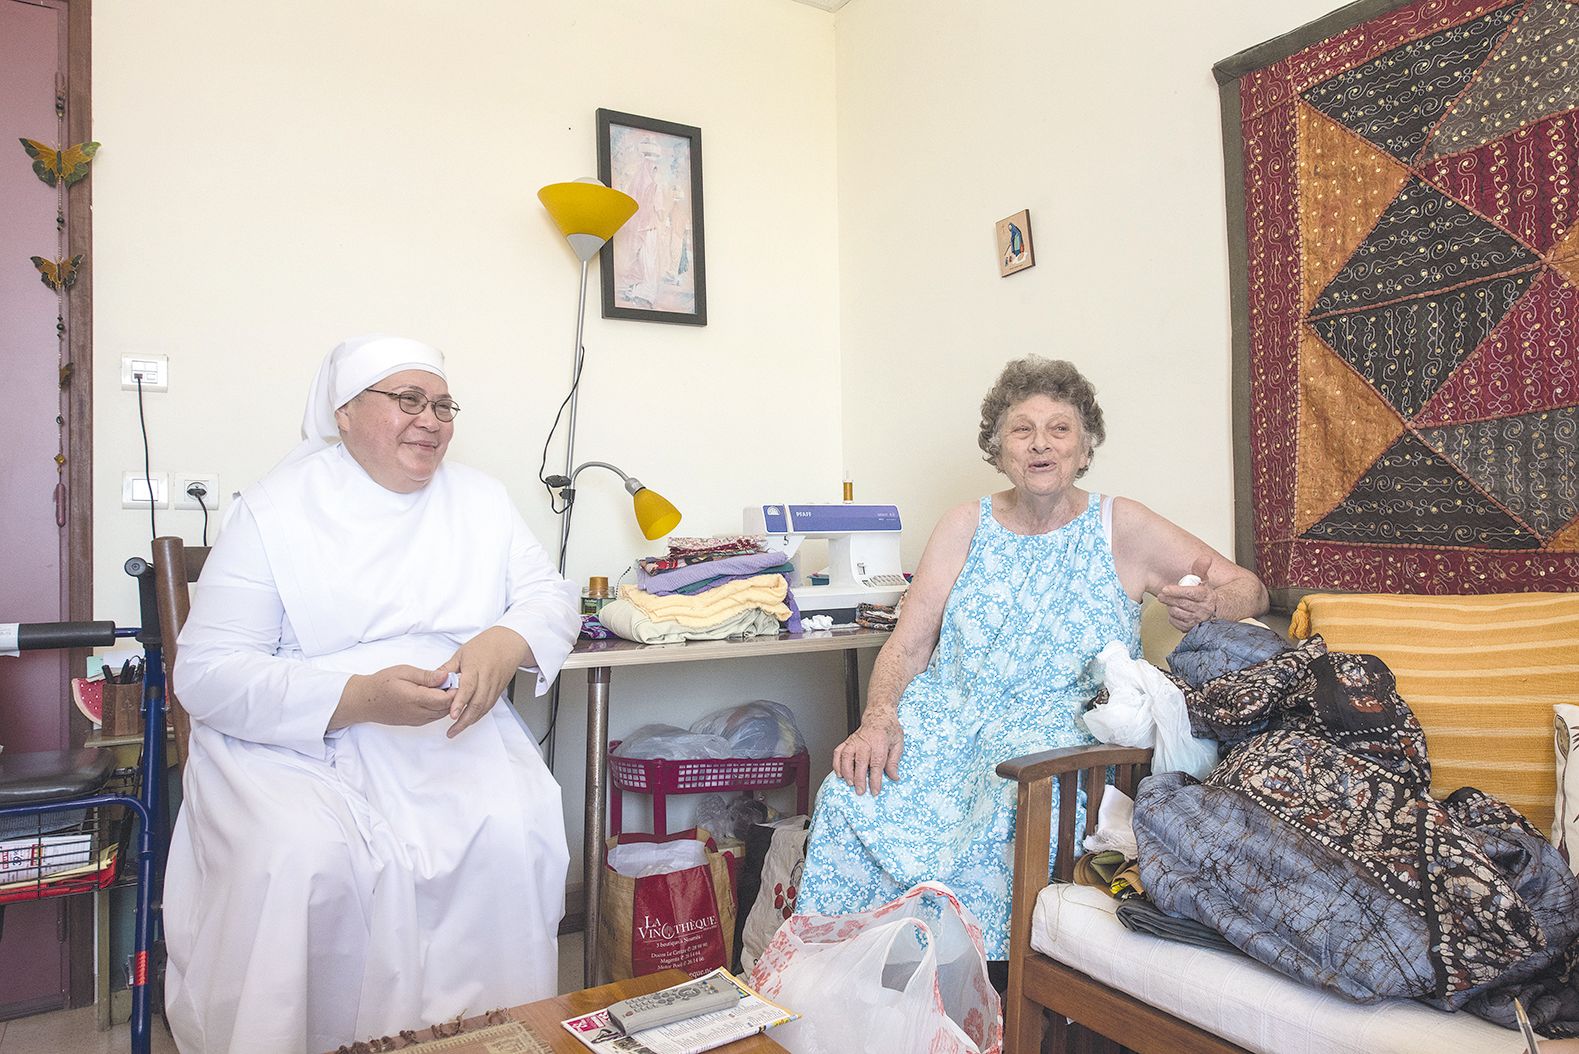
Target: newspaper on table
<point>754,1014</point>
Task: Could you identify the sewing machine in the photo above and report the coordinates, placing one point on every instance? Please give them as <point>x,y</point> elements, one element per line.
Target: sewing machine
<point>863,552</point>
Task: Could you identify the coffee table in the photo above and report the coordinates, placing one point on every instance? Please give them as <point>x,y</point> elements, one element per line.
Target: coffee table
<point>544,1016</point>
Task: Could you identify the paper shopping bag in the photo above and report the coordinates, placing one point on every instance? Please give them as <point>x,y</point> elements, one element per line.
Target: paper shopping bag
<point>683,920</point>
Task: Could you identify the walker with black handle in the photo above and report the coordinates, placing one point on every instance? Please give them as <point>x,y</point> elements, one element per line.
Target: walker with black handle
<point>45,782</point>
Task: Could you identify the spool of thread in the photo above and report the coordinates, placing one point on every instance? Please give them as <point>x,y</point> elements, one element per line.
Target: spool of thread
<point>849,490</point>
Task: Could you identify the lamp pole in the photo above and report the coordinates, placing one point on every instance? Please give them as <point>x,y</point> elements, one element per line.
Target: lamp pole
<point>570,430</point>
<point>564,517</point>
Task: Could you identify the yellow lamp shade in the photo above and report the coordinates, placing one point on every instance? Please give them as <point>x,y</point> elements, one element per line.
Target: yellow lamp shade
<point>655,515</point>
<point>587,212</point>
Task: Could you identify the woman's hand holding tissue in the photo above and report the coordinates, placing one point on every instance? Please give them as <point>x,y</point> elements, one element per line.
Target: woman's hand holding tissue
<point>1192,601</point>
<point>486,663</point>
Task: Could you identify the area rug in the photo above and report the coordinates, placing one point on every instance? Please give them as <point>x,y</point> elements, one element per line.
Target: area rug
<point>1403,198</point>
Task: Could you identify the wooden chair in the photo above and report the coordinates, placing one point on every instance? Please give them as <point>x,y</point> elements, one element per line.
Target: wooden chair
<point>1085,1015</point>
<point>176,567</point>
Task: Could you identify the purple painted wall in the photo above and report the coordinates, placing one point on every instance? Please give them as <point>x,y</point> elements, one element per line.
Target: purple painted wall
<point>33,687</point>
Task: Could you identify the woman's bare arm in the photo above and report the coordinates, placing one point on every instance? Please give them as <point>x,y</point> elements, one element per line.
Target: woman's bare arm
<point>1153,554</point>
<point>875,747</point>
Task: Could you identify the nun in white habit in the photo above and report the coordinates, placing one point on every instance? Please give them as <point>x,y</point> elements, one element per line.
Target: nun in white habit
<point>359,850</point>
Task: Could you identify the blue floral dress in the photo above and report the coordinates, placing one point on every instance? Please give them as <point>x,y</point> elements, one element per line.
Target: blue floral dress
<point>1008,677</point>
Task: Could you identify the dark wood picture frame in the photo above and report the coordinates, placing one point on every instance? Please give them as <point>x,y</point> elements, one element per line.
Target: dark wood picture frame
<point>654,268</point>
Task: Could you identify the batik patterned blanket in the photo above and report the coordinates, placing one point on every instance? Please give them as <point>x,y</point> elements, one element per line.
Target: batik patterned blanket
<point>1316,847</point>
<point>1410,263</point>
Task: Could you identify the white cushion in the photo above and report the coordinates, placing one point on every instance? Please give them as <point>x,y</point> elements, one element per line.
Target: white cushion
<point>1565,822</point>
<point>1233,996</point>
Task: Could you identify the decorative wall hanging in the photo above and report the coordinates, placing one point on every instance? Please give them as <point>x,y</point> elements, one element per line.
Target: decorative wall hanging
<point>654,268</point>
<point>57,166</point>
<point>57,274</point>
<point>1402,206</point>
<point>1014,243</point>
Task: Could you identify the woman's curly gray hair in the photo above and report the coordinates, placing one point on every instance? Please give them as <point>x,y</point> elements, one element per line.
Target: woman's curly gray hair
<point>1034,375</point>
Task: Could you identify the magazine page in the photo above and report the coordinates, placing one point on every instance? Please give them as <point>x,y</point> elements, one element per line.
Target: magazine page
<point>753,1014</point>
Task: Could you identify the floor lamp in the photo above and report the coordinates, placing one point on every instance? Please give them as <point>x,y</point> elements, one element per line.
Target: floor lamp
<point>587,214</point>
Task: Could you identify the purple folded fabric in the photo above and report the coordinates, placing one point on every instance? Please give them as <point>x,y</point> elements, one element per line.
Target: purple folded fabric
<point>793,622</point>
<point>746,565</point>
<point>592,629</point>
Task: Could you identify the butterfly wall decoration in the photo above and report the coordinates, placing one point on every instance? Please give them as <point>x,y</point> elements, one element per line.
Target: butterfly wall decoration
<point>60,166</point>
<point>58,274</point>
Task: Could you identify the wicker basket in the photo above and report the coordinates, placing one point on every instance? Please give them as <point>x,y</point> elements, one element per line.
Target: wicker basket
<point>661,777</point>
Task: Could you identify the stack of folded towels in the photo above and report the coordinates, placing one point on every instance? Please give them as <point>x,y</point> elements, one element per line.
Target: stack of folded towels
<point>705,589</point>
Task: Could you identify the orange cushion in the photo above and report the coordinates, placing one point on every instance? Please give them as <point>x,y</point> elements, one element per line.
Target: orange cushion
<point>1480,672</point>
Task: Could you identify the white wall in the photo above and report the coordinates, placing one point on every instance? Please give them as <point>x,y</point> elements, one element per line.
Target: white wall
<point>278,176</point>
<point>1102,121</point>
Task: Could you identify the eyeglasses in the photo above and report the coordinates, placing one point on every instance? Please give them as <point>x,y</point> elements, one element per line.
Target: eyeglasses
<point>413,403</point>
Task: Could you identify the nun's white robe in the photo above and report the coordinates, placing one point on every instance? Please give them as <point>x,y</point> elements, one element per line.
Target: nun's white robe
<point>325,888</point>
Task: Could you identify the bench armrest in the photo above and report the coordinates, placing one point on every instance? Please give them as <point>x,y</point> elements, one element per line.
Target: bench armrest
<point>1075,768</point>
<point>1034,767</point>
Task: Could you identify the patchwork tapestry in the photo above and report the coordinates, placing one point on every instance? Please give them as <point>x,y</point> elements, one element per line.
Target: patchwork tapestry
<point>1403,202</point>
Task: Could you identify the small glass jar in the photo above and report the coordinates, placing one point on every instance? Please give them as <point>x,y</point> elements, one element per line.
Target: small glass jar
<point>596,595</point>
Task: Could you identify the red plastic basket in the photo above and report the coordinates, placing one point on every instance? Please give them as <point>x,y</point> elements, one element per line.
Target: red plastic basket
<point>661,777</point>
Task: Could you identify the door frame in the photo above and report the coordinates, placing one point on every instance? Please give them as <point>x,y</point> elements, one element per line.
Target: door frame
<point>77,560</point>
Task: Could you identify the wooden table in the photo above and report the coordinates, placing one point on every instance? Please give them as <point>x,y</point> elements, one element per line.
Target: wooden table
<point>599,657</point>
<point>544,1016</point>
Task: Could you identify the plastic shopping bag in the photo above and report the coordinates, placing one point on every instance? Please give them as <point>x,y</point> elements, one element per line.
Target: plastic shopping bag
<point>1145,709</point>
<point>909,977</point>
<point>682,920</point>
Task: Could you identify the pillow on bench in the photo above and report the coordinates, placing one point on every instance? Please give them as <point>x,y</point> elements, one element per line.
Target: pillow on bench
<point>1482,674</point>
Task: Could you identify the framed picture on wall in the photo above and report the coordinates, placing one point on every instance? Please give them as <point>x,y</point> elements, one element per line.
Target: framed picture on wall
<point>654,268</point>
<point>1014,243</point>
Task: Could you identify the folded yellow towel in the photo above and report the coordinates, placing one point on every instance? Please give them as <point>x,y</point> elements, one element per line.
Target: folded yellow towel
<point>701,610</point>
<point>624,619</point>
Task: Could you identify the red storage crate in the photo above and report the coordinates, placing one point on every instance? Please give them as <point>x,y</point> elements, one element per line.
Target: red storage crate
<point>661,777</point>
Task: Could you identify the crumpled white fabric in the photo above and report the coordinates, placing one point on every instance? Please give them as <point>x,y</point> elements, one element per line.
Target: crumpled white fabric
<point>1145,709</point>
<point>1115,825</point>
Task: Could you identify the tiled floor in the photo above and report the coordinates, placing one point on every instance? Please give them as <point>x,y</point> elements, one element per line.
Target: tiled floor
<point>76,1031</point>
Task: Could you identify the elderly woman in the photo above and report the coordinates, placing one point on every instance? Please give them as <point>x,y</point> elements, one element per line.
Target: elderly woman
<point>1015,595</point>
<point>363,848</point>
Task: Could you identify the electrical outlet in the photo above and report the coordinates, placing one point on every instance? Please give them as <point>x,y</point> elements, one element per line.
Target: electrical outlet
<point>155,370</point>
<point>135,490</point>
<point>185,481</point>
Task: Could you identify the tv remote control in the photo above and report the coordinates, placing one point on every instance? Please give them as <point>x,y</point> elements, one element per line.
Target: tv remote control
<point>691,999</point>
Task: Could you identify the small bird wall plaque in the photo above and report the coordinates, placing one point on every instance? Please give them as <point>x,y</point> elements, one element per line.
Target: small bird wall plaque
<point>1014,243</point>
